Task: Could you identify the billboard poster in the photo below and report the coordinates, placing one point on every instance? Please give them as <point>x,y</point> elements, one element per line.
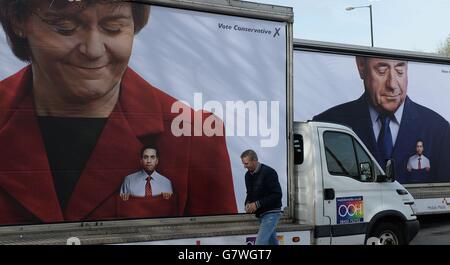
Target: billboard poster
<point>95,95</point>
<point>397,108</point>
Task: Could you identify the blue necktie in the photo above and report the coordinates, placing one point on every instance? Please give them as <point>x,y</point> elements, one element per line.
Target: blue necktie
<point>384,141</point>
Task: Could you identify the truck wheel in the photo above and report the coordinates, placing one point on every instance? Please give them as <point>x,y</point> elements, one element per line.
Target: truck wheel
<point>389,234</point>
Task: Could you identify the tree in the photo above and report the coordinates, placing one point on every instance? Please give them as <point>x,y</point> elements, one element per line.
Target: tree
<point>444,48</point>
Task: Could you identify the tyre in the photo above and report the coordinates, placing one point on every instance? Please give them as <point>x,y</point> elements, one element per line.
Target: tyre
<point>389,234</point>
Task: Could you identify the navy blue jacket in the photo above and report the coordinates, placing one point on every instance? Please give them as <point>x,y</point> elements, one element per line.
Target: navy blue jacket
<point>263,186</point>
<point>418,122</point>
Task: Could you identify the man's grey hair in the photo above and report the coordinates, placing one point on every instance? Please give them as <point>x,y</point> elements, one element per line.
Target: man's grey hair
<point>250,154</point>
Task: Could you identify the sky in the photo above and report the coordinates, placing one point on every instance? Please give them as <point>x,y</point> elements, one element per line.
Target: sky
<point>412,25</point>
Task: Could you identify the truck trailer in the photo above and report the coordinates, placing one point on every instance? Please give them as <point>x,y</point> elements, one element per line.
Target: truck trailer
<point>326,76</point>
<point>199,82</point>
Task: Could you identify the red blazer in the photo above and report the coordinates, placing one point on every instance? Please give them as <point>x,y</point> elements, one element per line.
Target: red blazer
<point>198,167</point>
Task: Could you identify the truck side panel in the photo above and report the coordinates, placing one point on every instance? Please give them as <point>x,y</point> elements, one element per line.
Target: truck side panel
<point>328,87</point>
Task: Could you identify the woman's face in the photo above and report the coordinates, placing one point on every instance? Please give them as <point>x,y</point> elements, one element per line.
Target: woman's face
<point>80,55</point>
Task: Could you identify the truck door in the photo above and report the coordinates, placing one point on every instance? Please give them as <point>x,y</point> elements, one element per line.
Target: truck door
<point>351,197</point>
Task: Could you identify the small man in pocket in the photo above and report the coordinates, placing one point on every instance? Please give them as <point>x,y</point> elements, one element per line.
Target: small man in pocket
<point>146,182</point>
<point>418,161</point>
<point>418,165</point>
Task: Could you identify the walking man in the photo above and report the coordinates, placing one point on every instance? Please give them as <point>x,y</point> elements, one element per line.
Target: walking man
<point>263,197</point>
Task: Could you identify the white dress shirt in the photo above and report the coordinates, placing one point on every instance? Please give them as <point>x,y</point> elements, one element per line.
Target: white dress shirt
<point>413,162</point>
<point>134,184</point>
<point>394,125</point>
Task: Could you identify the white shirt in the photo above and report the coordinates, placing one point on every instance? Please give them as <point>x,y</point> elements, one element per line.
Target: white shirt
<point>134,184</point>
<point>413,162</point>
<point>394,125</point>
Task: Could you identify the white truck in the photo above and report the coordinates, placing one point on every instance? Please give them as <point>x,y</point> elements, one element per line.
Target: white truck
<point>344,193</point>
<point>228,57</point>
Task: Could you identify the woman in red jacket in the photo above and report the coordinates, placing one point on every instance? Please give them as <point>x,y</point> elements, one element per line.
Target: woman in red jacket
<point>72,122</point>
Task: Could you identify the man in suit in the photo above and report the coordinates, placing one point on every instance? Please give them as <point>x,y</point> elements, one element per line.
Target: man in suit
<point>147,193</point>
<point>390,123</point>
<point>146,182</point>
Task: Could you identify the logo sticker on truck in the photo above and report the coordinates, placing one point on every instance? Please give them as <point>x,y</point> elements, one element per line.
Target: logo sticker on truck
<point>350,210</point>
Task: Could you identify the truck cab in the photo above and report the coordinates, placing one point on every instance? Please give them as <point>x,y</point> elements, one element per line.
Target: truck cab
<point>345,193</point>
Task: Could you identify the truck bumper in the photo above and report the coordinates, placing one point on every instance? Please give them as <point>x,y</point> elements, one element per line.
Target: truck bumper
<point>412,228</point>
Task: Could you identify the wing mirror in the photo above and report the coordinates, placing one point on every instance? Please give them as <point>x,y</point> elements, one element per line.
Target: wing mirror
<point>390,172</point>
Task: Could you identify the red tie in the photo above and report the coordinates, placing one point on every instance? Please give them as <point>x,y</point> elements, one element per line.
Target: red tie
<point>148,187</point>
<point>419,167</point>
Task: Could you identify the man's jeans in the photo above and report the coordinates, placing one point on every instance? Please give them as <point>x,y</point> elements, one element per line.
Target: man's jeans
<point>267,234</point>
